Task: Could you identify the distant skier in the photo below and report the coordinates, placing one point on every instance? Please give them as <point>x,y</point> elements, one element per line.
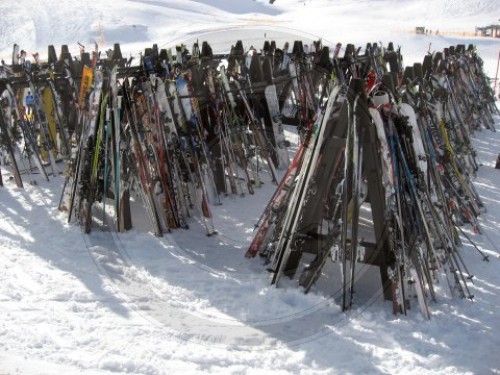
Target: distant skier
<point>497,165</point>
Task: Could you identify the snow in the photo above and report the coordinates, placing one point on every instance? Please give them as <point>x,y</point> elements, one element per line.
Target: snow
<point>110,303</point>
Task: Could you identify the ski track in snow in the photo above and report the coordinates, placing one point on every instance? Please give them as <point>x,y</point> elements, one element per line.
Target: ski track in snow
<point>131,303</point>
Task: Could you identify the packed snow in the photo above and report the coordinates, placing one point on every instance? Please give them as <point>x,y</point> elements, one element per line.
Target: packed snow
<point>185,303</point>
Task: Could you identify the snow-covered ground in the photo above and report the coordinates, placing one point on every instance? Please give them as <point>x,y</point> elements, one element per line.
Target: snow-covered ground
<point>132,303</point>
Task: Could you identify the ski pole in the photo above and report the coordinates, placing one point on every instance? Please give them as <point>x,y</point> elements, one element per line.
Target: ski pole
<point>495,82</point>
<point>485,257</point>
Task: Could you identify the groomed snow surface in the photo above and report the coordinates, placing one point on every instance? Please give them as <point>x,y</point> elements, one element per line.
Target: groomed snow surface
<point>109,303</point>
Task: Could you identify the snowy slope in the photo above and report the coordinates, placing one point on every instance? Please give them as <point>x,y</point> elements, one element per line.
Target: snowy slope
<point>34,24</point>
<point>132,303</point>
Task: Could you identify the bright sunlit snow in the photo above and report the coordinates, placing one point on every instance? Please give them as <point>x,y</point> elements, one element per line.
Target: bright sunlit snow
<point>109,303</point>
